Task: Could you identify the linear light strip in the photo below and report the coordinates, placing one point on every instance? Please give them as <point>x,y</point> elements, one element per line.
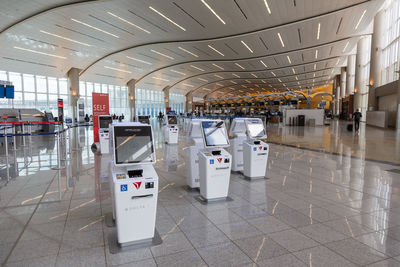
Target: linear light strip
<point>267,6</point>
<point>201,79</point>
<point>240,66</point>
<point>189,85</point>
<point>265,65</point>
<point>215,65</point>
<point>288,58</point>
<point>178,72</point>
<point>233,82</point>
<point>247,46</point>
<point>161,79</point>
<point>216,50</point>
<point>165,17</point>
<point>213,11</point>
<point>280,38</point>
<point>197,68</point>
<point>344,49</point>
<point>237,76</point>
<point>316,54</point>
<point>121,70</point>
<point>273,73</point>
<point>255,76</point>
<point>359,21</point>
<point>187,51</point>
<point>130,23</point>
<point>161,54</point>
<point>294,72</point>
<point>38,52</point>
<point>315,66</point>
<point>218,76</point>
<point>139,60</point>
<point>65,38</point>
<point>95,28</point>
<point>319,29</point>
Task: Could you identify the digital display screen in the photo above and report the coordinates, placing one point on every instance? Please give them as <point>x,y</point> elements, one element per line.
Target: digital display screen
<point>81,106</point>
<point>133,144</point>
<point>2,91</point>
<point>9,91</point>
<point>172,120</point>
<point>256,130</point>
<point>81,113</point>
<point>214,133</point>
<point>238,126</point>
<point>104,122</point>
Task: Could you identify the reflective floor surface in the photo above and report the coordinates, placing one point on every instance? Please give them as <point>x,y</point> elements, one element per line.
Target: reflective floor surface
<point>314,209</point>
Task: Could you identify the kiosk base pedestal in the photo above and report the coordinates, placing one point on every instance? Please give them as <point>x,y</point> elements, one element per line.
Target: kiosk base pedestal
<point>255,178</point>
<point>205,201</point>
<point>116,247</point>
<point>190,189</point>
<point>109,220</point>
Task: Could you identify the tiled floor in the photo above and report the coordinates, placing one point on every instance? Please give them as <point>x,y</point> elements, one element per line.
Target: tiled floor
<point>315,209</point>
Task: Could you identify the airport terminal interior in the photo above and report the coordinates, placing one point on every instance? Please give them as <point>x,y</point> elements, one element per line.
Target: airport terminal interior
<point>200,133</point>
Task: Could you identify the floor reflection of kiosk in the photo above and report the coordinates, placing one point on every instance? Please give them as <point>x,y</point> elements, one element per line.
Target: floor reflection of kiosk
<point>143,119</point>
<point>135,182</point>
<point>171,130</point>
<point>255,151</point>
<point>170,158</point>
<point>238,132</point>
<point>214,162</point>
<point>192,153</point>
<point>104,135</point>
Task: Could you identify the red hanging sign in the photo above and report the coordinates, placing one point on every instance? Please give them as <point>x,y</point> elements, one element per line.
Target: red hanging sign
<point>100,106</point>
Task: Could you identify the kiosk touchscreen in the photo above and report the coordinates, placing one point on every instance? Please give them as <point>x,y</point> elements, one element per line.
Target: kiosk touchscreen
<point>81,110</point>
<point>171,130</point>
<point>255,151</point>
<point>214,161</point>
<point>135,182</point>
<point>143,119</point>
<point>104,135</point>
<point>191,153</point>
<point>237,132</point>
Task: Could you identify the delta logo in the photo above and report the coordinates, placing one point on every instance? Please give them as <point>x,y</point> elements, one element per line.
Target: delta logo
<point>260,147</point>
<point>219,160</point>
<point>137,184</point>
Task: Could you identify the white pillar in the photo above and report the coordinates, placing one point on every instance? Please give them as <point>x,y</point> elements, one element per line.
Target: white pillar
<point>73,82</point>
<point>166,97</point>
<point>337,96</point>
<point>350,73</point>
<point>189,102</point>
<point>361,77</point>
<point>343,89</point>
<point>132,99</point>
<point>376,58</point>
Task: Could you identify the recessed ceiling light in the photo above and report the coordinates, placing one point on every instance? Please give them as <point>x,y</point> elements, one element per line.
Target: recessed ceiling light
<point>319,29</point>
<point>247,46</point>
<point>216,50</point>
<point>38,52</point>
<point>237,76</point>
<point>344,49</point>
<point>212,10</point>
<point>297,78</point>
<point>178,72</point>
<point>233,82</point>
<point>95,28</point>
<point>201,79</point>
<point>279,80</point>
<point>219,84</point>
<point>262,62</point>
<point>218,76</point>
<point>316,54</point>
<point>165,17</point>
<point>294,72</point>
<point>280,38</point>
<point>359,21</point>
<point>240,66</point>
<point>263,81</point>
<point>130,23</point>
<point>267,6</point>
<point>64,38</point>
<point>121,70</point>
<point>273,73</point>
<point>206,89</point>
<point>247,81</point>
<point>188,85</point>
<point>161,54</point>
<point>255,76</point>
<point>197,68</point>
<point>187,51</point>
<point>288,58</point>
<point>161,79</point>
<point>215,65</point>
<point>139,60</point>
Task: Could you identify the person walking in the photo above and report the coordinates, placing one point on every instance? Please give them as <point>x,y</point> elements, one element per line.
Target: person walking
<point>357,117</point>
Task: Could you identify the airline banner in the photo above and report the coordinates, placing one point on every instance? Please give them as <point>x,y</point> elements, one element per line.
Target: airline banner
<point>100,106</point>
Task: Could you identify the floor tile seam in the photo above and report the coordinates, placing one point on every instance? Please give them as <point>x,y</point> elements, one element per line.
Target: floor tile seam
<point>26,224</point>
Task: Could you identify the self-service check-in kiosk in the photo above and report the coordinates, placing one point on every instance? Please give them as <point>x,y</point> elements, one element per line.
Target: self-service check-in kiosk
<point>143,119</point>
<point>135,182</point>
<point>255,151</point>
<point>171,130</point>
<point>192,153</point>
<point>104,135</point>
<point>238,132</point>
<point>214,161</point>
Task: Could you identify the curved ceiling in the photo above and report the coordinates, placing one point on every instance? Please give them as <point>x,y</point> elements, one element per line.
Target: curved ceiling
<point>206,47</point>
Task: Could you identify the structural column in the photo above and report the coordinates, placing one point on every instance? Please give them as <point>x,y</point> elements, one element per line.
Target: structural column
<point>376,59</point>
<point>398,104</point>
<point>343,77</point>
<point>337,96</point>
<point>361,77</point>
<point>350,74</point>
<point>166,97</point>
<point>132,98</point>
<point>189,102</point>
<point>73,82</point>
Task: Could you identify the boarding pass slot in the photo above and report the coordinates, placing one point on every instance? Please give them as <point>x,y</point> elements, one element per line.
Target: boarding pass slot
<point>142,196</point>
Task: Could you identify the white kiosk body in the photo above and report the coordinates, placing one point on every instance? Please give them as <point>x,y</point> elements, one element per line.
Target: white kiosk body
<point>145,119</point>
<point>192,153</point>
<point>135,182</point>
<point>80,112</point>
<point>104,133</point>
<point>214,161</point>
<point>171,130</point>
<point>255,151</point>
<point>238,132</point>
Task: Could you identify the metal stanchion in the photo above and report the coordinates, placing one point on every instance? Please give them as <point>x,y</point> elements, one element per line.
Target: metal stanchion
<point>23,137</point>
<point>14,138</point>
<point>7,160</point>
<point>30,133</point>
<point>59,163</point>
